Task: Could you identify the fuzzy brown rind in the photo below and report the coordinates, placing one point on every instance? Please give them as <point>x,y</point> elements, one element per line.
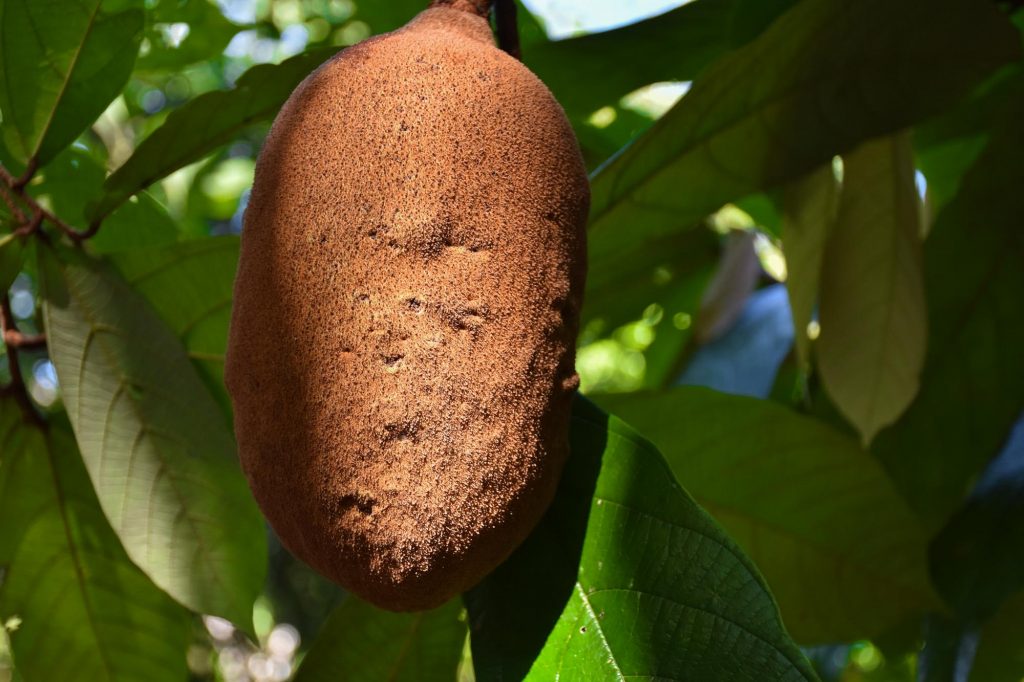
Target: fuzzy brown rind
<point>401,356</point>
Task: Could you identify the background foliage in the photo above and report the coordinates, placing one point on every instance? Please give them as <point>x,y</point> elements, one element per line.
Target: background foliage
<point>805,292</point>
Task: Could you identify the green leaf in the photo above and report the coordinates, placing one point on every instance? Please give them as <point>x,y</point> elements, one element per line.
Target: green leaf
<point>810,205</point>
<point>156,446</point>
<point>674,46</point>
<point>190,286</point>
<point>63,61</point>
<point>74,180</point>
<point>84,611</point>
<point>360,643</point>
<point>209,33</point>
<point>873,314</point>
<point>842,552</point>
<point>626,576</point>
<point>821,79</point>
<point>207,122</point>
<point>970,391</point>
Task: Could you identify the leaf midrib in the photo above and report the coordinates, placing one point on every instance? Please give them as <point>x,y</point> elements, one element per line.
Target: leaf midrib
<point>95,329</point>
<point>67,79</point>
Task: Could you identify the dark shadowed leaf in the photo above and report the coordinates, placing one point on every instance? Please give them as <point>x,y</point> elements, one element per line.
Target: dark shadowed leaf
<point>155,443</point>
<point>63,62</point>
<point>971,392</point>
<point>842,552</point>
<point>190,287</point>
<point>873,318</point>
<point>627,576</point>
<point>360,643</point>
<point>207,122</point>
<point>978,558</point>
<point>821,79</point>
<point>590,71</point>
<point>1000,653</point>
<point>84,611</point>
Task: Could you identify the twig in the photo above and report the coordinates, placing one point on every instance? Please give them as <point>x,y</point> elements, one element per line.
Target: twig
<point>17,186</point>
<point>16,388</point>
<point>26,177</point>
<point>507,27</point>
<point>11,205</point>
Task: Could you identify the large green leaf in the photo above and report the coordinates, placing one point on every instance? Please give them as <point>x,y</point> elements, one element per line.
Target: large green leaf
<point>190,286</point>
<point>360,643</point>
<point>83,610</point>
<point>808,215</point>
<point>627,576</point>
<point>61,63</point>
<point>207,122</point>
<point>971,392</point>
<point>842,552</point>
<point>824,77</point>
<point>873,313</point>
<point>591,71</point>
<point>154,441</point>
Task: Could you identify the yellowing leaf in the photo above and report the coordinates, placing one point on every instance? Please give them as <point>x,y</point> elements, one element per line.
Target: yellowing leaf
<point>809,211</point>
<point>873,317</point>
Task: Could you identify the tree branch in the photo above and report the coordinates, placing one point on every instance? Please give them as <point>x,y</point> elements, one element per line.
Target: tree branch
<point>17,187</point>
<point>17,388</point>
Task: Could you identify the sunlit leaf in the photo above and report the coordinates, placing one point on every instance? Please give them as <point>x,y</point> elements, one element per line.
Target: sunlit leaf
<point>627,576</point>
<point>63,61</point>
<point>811,86</point>
<point>360,643</point>
<point>158,451</point>
<point>810,210</point>
<point>205,123</point>
<point>83,610</point>
<point>842,552</point>
<point>873,314</point>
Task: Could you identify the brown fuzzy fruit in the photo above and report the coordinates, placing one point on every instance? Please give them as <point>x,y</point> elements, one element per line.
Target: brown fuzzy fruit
<point>402,342</point>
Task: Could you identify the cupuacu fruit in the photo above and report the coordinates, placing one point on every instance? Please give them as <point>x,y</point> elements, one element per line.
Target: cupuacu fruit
<point>401,355</point>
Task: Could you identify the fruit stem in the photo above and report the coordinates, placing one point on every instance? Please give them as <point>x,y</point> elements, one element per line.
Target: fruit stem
<point>481,8</point>
<point>504,19</point>
<point>508,29</point>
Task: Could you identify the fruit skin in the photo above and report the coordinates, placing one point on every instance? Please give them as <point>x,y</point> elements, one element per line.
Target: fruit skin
<point>401,355</point>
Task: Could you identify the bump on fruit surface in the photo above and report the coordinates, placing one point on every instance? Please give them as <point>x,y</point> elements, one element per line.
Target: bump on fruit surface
<point>401,356</point>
